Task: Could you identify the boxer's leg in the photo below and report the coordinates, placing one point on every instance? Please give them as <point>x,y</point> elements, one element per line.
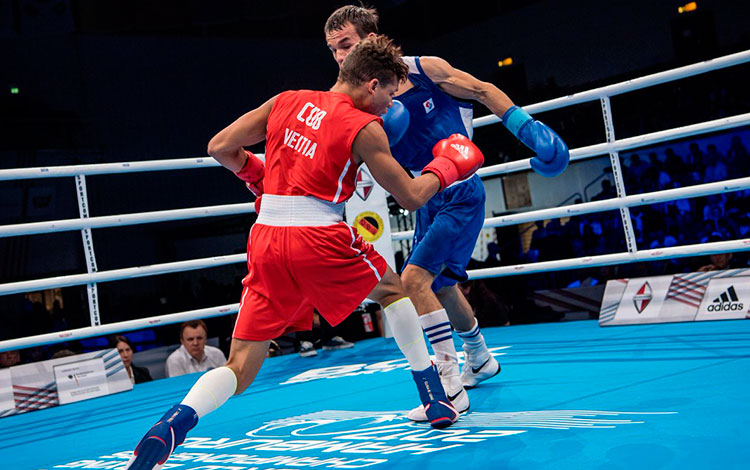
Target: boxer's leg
<point>402,316</point>
<point>210,392</point>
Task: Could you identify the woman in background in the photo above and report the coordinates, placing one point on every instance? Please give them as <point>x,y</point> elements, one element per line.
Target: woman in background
<point>125,348</point>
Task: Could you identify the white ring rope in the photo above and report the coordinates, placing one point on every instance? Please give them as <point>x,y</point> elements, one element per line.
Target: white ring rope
<point>111,328</point>
<point>616,258</point>
<point>565,211</point>
<point>107,168</point>
<point>124,219</point>
<point>628,85</point>
<point>119,274</point>
<point>583,153</point>
<point>633,200</point>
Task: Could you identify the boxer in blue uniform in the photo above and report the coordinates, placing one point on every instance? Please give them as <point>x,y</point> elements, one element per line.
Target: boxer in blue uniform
<point>431,105</point>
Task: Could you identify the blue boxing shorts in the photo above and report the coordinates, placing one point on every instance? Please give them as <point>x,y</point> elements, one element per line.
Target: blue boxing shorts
<point>447,230</point>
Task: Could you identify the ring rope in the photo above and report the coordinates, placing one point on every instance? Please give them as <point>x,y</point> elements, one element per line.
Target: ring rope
<point>633,200</point>
<point>124,219</point>
<point>119,274</point>
<point>583,153</point>
<point>111,328</point>
<point>628,85</point>
<point>655,254</point>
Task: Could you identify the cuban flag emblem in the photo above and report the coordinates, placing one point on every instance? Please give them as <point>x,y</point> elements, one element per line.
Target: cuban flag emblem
<point>428,106</point>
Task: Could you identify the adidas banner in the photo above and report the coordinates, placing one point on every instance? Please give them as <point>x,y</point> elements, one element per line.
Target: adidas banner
<point>714,295</point>
<point>725,299</point>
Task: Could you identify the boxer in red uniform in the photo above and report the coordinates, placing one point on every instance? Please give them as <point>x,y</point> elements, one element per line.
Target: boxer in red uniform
<point>301,255</point>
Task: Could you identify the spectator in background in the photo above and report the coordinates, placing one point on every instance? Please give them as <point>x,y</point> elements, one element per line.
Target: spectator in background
<point>663,178</point>
<point>743,229</point>
<point>63,353</point>
<point>681,213</point>
<point>716,169</point>
<point>273,349</point>
<point>718,261</point>
<point>676,166</point>
<point>636,168</point>
<point>607,192</point>
<point>539,242</point>
<point>485,303</point>
<point>9,358</point>
<point>57,316</point>
<point>125,348</point>
<point>738,159</point>
<point>194,355</point>
<point>669,265</point>
<point>713,211</point>
<point>695,159</point>
<point>323,333</point>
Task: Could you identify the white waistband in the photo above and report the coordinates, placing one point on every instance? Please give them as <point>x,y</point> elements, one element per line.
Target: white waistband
<point>298,211</point>
<point>419,173</point>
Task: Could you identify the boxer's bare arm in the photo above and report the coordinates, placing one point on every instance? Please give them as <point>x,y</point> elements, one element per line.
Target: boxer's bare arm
<point>465,86</point>
<point>249,129</point>
<point>371,147</point>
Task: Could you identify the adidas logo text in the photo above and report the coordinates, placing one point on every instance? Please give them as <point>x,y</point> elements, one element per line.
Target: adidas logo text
<point>727,301</point>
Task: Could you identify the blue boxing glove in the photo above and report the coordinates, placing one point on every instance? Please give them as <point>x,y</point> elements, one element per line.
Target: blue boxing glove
<point>552,155</point>
<point>395,122</point>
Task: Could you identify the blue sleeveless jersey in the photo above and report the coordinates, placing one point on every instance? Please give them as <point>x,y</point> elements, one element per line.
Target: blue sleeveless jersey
<point>448,225</point>
<point>433,115</point>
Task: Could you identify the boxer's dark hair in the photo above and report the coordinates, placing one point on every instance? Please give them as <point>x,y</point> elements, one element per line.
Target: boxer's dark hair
<point>365,20</point>
<point>374,57</point>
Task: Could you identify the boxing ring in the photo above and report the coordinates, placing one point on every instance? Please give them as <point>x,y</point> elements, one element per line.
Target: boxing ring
<point>570,395</point>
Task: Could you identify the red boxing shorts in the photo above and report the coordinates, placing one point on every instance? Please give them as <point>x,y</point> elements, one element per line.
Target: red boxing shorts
<point>295,269</point>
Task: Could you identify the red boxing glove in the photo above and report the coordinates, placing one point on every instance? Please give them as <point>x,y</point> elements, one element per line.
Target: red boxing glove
<point>456,158</point>
<point>252,173</point>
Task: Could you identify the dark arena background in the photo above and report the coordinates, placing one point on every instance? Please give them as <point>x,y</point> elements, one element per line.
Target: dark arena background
<point>591,288</point>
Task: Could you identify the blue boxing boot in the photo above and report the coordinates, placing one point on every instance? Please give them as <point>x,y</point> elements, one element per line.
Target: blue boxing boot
<point>438,408</point>
<point>159,442</point>
<point>552,154</point>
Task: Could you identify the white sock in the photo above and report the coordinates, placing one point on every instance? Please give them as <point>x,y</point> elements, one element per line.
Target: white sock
<point>437,327</point>
<point>211,390</point>
<point>474,341</point>
<point>402,316</point>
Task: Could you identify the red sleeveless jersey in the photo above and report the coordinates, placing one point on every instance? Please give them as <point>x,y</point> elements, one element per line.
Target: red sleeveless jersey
<point>309,139</point>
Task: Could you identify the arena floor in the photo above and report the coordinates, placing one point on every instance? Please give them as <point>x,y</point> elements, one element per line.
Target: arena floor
<point>570,396</point>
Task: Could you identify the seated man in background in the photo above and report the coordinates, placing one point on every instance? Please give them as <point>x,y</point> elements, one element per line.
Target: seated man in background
<point>717,261</point>
<point>193,354</point>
